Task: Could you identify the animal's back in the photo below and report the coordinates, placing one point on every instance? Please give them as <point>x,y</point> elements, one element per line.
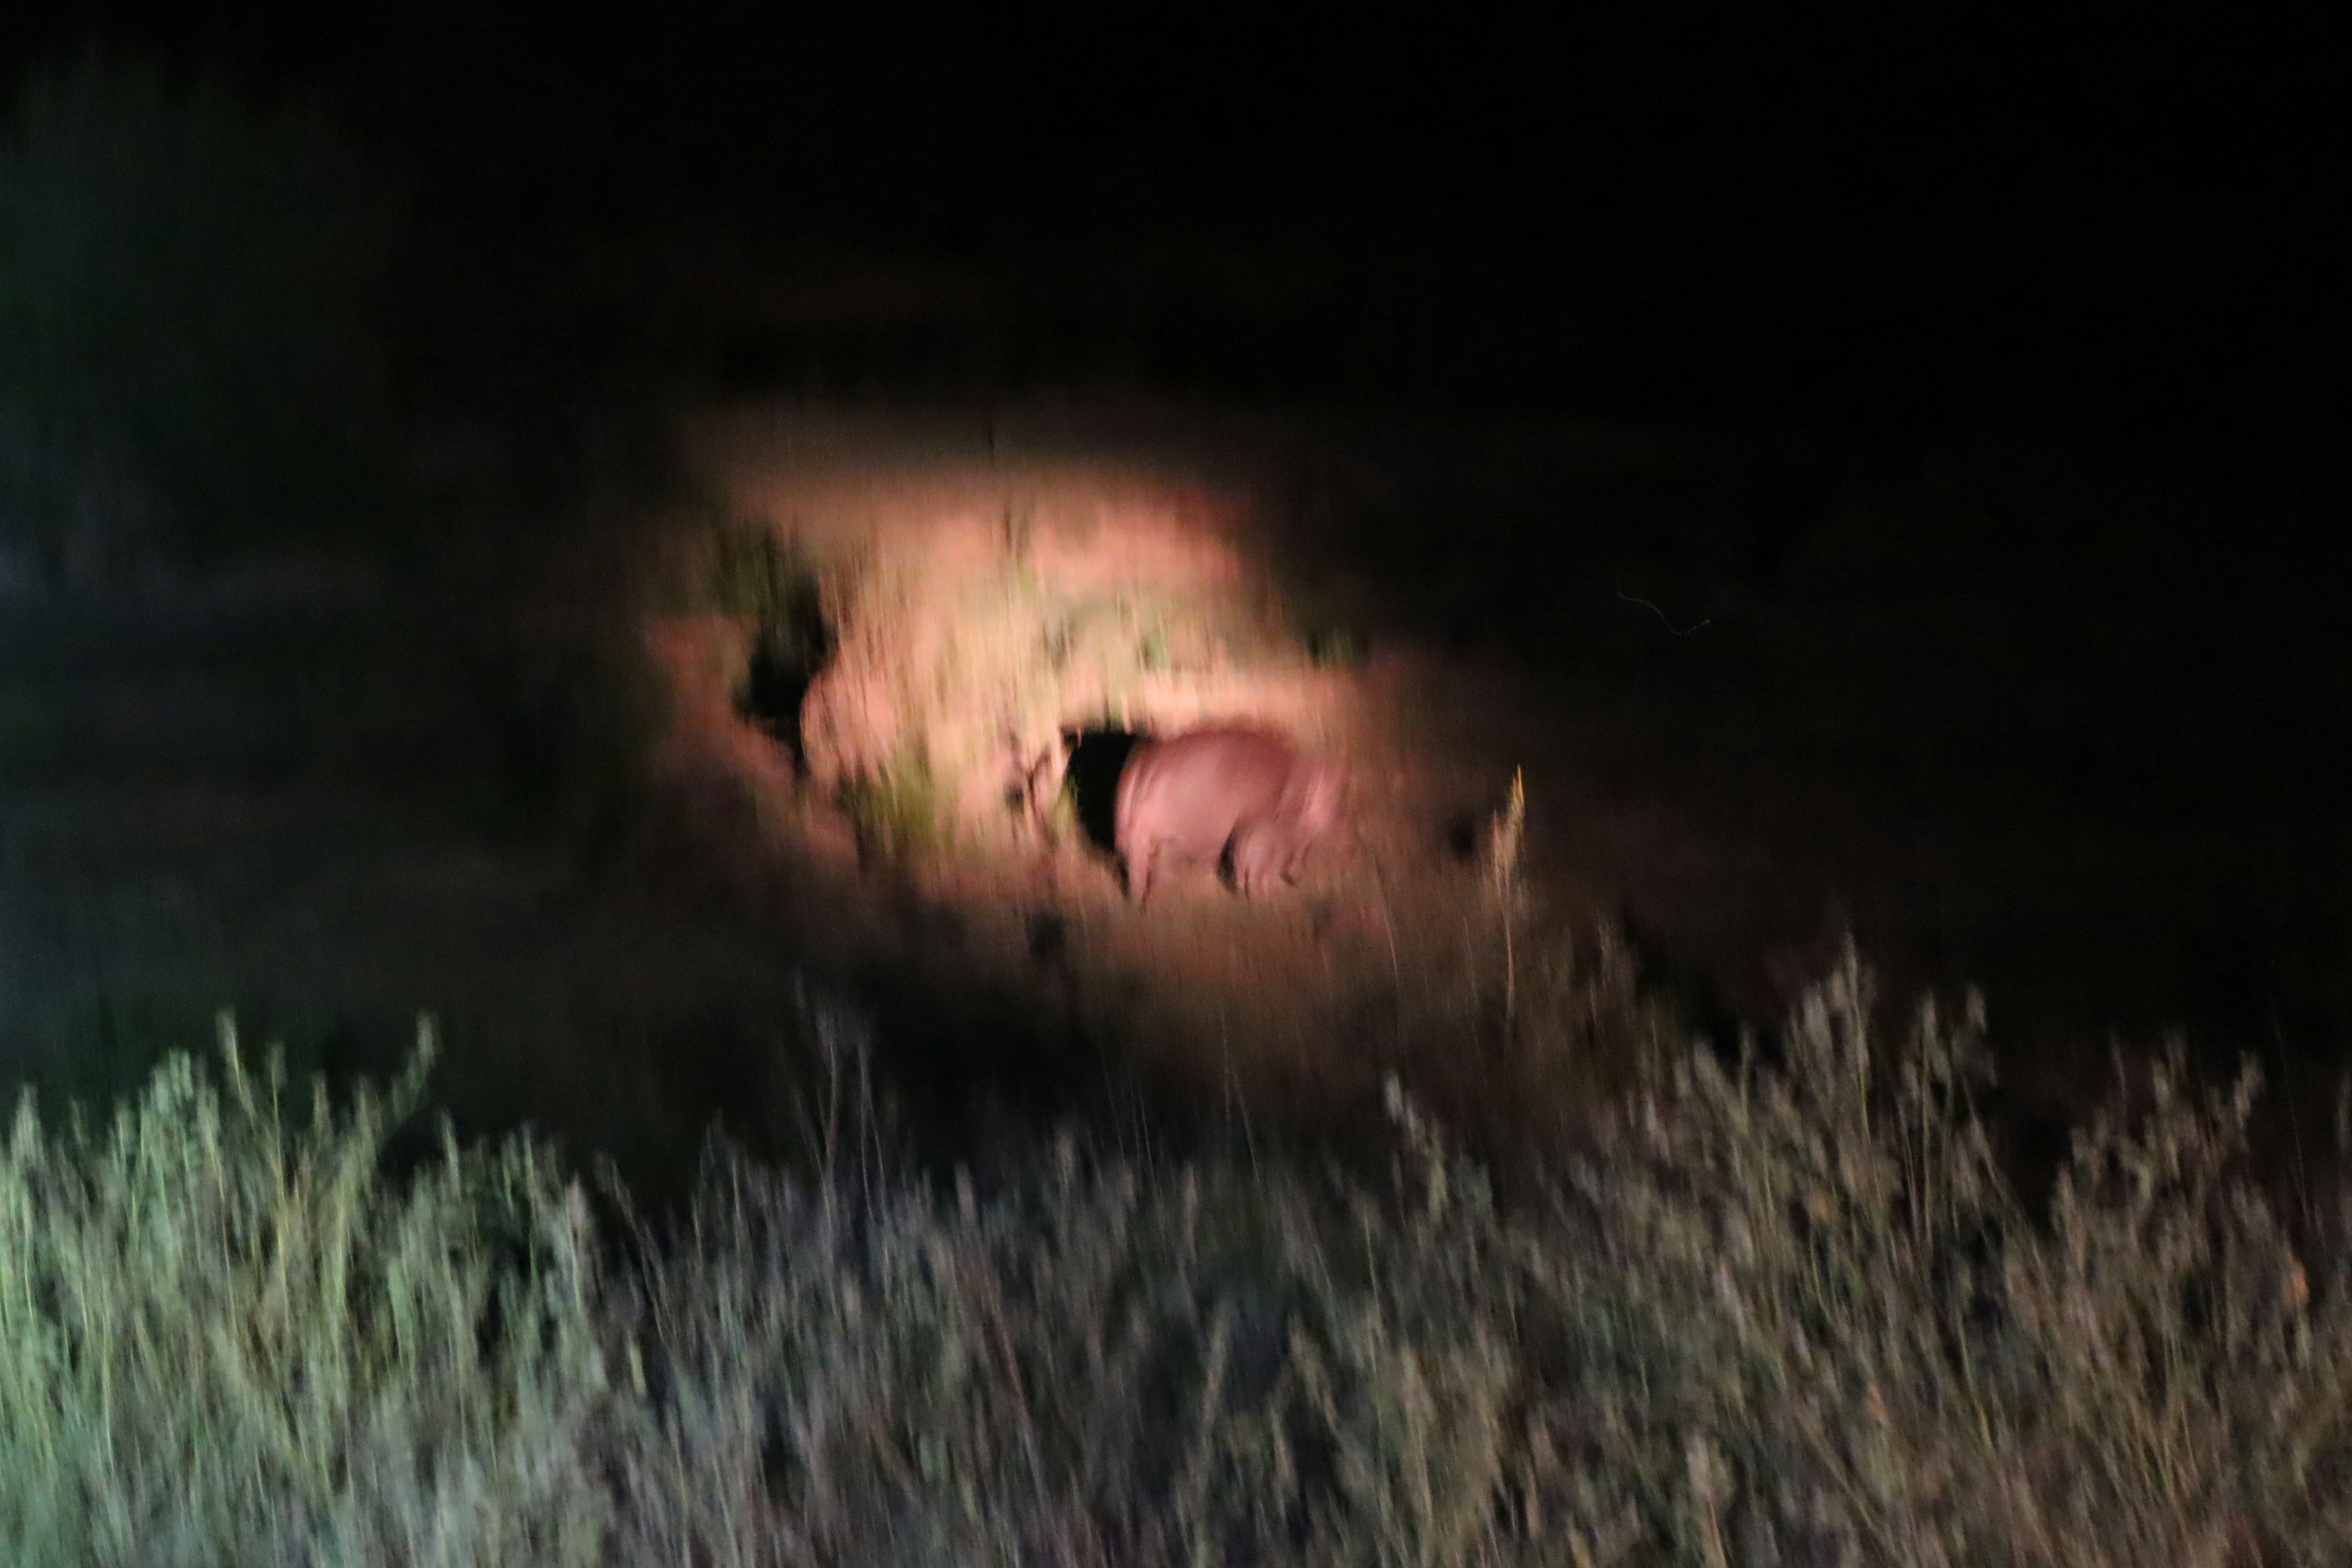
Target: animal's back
<point>1185,799</point>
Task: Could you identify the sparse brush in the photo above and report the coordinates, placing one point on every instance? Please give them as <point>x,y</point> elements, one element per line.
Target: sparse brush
<point>1093,1368</point>
<point>899,811</point>
<point>1787,1315</point>
<point>225,1338</point>
<point>1802,1318</point>
<point>753,574</point>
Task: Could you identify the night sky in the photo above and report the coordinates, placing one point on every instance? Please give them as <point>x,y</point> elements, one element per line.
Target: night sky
<point>1904,221</point>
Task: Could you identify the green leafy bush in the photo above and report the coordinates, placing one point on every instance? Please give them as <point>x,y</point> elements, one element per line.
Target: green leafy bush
<point>190,344</point>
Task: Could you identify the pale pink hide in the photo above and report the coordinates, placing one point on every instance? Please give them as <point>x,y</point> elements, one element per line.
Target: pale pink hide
<point>1183,801</point>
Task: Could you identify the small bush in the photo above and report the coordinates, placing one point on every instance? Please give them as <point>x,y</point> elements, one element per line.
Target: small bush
<point>225,1338</point>
<point>899,811</point>
<point>1091,1368</point>
<point>1797,1317</point>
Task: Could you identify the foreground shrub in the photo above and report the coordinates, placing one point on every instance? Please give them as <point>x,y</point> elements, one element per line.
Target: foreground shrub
<point>1097,1369</point>
<point>1800,1318</point>
<point>224,1339</point>
<point>1788,1316</point>
<point>189,345</point>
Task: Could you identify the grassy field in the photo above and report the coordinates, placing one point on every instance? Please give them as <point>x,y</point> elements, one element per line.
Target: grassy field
<point>1783,1316</point>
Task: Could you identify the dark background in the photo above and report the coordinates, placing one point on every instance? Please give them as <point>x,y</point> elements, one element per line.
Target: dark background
<point>1900,225</point>
<point>2021,345</point>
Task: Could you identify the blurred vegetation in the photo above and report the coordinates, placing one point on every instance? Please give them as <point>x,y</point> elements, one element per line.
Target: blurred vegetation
<point>752,573</point>
<point>1338,648</point>
<point>1780,1315</point>
<point>899,810</point>
<point>192,354</point>
<point>754,576</point>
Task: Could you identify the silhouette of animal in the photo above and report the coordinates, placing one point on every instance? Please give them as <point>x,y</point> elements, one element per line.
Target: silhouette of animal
<point>1190,800</point>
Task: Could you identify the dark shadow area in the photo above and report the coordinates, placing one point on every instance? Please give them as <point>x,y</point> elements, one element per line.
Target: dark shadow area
<point>1098,757</point>
<point>1831,633</point>
<point>979,1080</point>
<point>1049,937</point>
<point>1698,1000</point>
<point>787,655</point>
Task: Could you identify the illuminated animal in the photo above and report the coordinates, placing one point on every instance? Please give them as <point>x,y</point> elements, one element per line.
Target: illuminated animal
<point>1190,800</point>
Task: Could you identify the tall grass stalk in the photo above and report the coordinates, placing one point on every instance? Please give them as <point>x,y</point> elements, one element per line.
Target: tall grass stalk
<point>1505,846</point>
